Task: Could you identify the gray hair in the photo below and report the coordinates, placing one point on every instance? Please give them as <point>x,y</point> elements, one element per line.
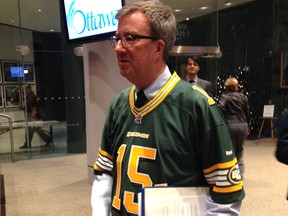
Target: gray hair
<point>162,21</point>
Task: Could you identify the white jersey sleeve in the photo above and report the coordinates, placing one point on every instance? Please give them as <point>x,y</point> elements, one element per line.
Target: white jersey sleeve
<point>101,195</point>
<point>231,209</point>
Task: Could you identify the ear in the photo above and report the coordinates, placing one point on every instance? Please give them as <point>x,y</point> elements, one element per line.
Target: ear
<point>160,47</point>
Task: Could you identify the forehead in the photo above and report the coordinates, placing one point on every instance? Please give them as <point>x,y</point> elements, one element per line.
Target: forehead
<point>192,61</point>
<point>134,22</point>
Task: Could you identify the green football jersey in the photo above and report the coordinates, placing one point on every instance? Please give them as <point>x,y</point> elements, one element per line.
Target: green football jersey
<point>179,138</point>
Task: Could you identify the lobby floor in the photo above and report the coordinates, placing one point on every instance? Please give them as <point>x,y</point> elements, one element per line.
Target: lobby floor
<point>38,149</point>
<point>59,185</point>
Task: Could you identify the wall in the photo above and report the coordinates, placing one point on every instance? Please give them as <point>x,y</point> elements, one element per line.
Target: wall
<point>102,82</point>
<point>10,38</point>
<point>251,37</point>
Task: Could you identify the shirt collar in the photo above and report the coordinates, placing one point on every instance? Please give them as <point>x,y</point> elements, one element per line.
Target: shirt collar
<point>157,84</point>
<point>195,80</point>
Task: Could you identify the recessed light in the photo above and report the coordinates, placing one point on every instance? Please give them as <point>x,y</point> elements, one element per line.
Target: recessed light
<point>51,30</point>
<point>39,10</point>
<point>203,8</point>
<point>228,3</point>
<point>177,10</point>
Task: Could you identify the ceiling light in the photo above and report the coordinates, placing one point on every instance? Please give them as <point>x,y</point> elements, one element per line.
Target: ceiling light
<point>203,8</point>
<point>177,10</point>
<point>201,51</point>
<point>228,3</point>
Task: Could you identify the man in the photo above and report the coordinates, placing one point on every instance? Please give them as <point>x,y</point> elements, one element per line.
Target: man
<point>33,114</point>
<point>192,69</point>
<point>178,138</point>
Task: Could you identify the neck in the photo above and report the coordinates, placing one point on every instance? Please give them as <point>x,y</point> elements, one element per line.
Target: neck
<point>153,75</point>
<point>191,76</point>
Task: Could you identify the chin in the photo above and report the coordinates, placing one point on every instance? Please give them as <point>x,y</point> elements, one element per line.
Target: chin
<point>124,73</point>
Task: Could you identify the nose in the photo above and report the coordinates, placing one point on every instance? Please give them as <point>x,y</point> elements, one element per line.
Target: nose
<point>119,47</point>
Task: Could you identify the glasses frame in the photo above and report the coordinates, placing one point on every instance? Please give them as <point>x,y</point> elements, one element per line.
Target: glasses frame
<point>114,39</point>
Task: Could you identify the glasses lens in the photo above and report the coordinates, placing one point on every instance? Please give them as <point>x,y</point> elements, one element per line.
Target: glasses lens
<point>128,41</point>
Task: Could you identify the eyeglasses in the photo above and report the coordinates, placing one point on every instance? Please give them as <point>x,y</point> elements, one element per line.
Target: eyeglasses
<point>128,40</point>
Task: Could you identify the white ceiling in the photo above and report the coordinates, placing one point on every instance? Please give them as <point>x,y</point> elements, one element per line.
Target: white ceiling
<point>49,17</point>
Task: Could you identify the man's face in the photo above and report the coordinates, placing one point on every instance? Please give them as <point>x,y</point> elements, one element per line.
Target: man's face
<point>192,67</point>
<point>134,62</point>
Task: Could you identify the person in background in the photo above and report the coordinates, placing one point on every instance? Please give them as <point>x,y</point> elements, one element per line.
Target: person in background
<point>235,107</point>
<point>33,114</point>
<point>281,152</point>
<point>282,143</point>
<point>161,131</point>
<point>192,70</point>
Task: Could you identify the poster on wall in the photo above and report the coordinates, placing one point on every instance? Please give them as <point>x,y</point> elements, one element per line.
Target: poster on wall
<point>284,70</point>
<point>11,71</point>
<point>12,95</point>
<point>29,74</point>
<point>1,97</point>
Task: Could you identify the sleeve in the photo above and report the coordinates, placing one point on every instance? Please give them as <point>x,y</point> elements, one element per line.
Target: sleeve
<point>215,209</point>
<point>209,89</point>
<point>101,195</point>
<point>282,144</point>
<point>104,161</point>
<point>246,109</point>
<point>103,168</point>
<point>219,164</point>
<point>222,103</point>
<point>282,149</point>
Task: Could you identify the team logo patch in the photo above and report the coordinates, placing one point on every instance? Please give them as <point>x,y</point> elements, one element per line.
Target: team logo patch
<point>234,175</point>
<point>138,119</point>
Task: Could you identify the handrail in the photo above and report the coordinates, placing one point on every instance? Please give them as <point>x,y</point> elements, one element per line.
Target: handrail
<point>11,136</point>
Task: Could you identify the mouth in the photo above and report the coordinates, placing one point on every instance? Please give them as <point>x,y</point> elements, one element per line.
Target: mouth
<point>122,61</point>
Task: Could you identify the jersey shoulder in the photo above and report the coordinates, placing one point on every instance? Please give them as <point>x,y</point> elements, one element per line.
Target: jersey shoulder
<point>188,94</point>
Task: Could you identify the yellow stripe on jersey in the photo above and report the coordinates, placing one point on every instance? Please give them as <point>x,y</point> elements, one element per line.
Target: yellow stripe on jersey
<point>103,162</point>
<point>156,100</point>
<point>202,91</point>
<point>225,165</point>
<point>96,168</point>
<point>228,189</point>
<point>104,153</point>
